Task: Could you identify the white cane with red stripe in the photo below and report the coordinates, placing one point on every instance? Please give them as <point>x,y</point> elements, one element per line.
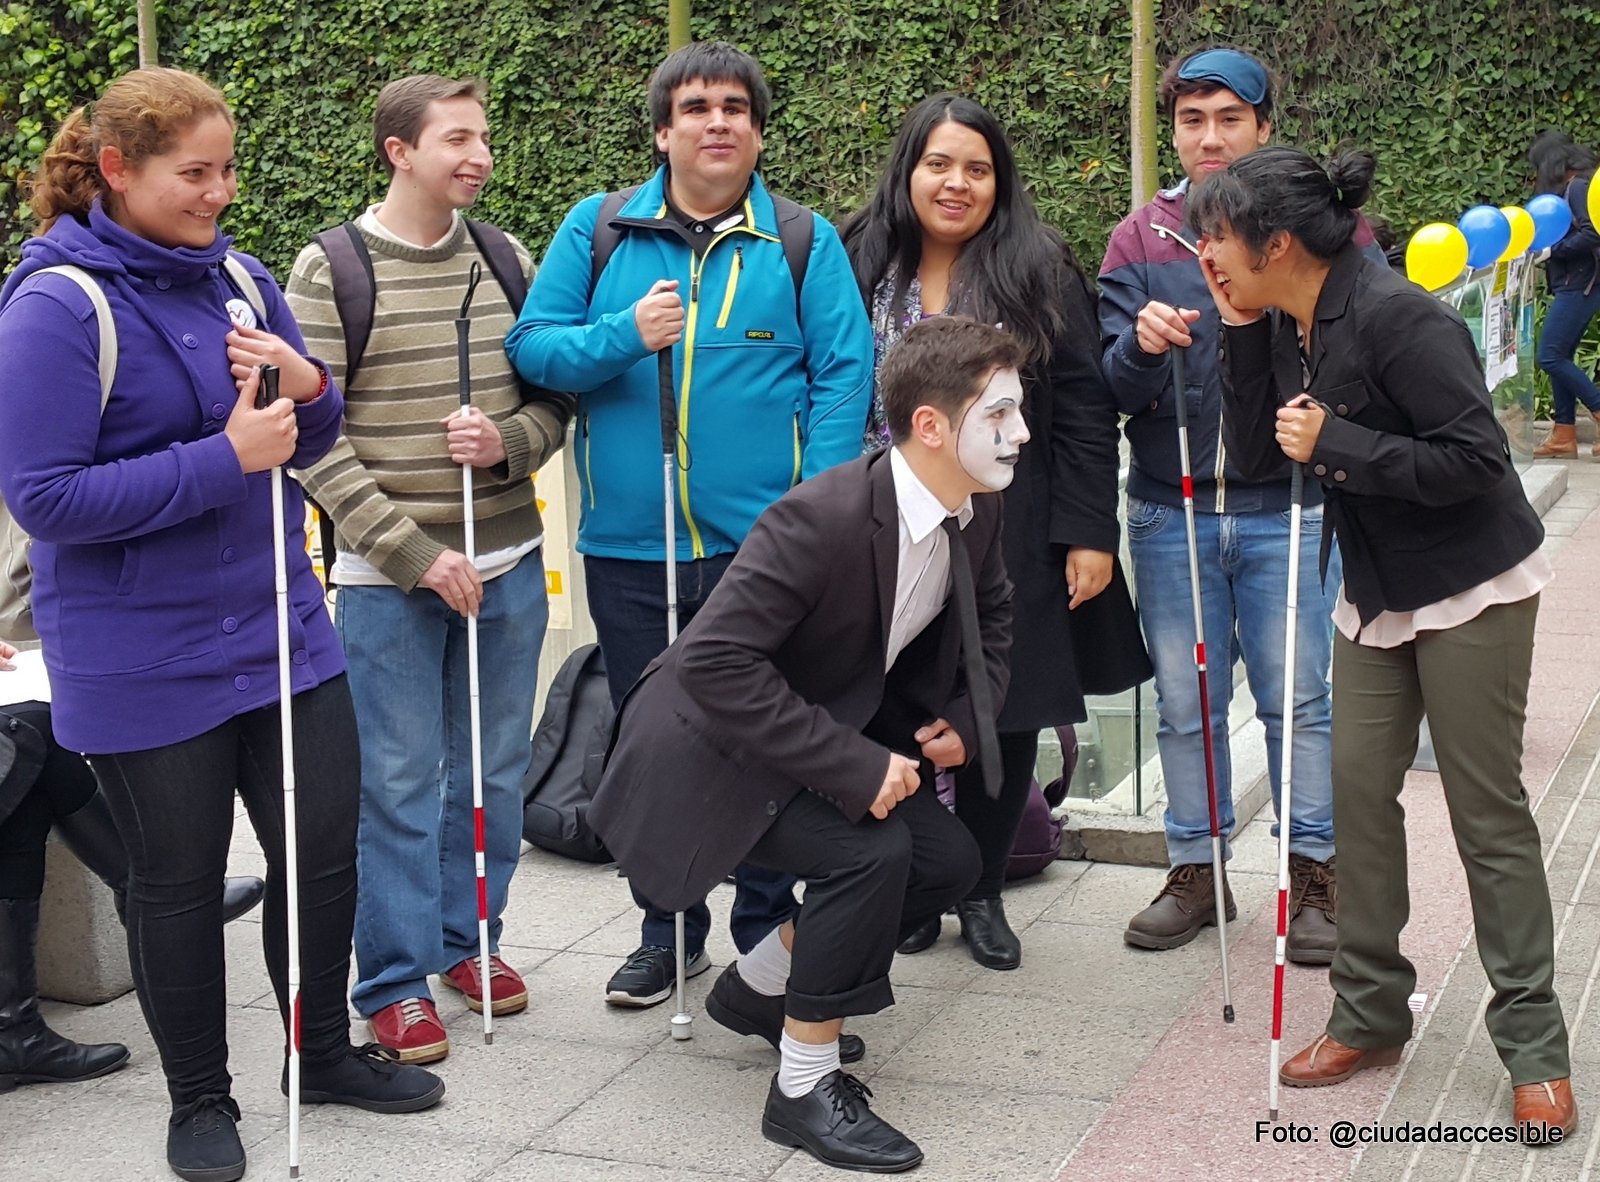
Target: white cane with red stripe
<point>1286,781</point>
<point>469,542</point>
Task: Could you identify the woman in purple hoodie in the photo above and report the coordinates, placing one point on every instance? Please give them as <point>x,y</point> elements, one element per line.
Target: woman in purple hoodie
<point>153,582</point>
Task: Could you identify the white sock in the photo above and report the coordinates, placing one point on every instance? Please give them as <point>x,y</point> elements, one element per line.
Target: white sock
<point>804,1065</point>
<point>765,968</point>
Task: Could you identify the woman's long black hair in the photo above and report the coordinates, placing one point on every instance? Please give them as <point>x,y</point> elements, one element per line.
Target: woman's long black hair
<point>1011,272</point>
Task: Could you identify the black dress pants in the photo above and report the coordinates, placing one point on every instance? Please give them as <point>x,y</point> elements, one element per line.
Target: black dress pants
<point>868,886</point>
<point>174,808</point>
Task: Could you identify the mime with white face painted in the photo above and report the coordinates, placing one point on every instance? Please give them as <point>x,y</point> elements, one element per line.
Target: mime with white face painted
<point>858,641</point>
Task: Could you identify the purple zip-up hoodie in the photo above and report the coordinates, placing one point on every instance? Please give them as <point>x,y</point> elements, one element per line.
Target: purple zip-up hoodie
<point>152,552</point>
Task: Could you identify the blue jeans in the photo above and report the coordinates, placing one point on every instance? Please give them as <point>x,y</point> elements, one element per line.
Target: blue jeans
<point>1564,325</point>
<point>417,897</point>
<point>628,602</point>
<point>1244,576</point>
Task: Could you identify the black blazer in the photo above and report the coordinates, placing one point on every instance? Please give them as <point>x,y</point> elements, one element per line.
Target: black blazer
<point>767,691</point>
<point>1416,469</point>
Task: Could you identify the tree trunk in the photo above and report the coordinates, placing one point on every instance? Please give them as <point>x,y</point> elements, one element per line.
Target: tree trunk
<point>147,34</point>
<point>1142,102</point>
<point>677,23</point>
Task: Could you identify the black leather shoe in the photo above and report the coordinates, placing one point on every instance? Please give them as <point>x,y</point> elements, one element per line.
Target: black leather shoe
<point>922,938</point>
<point>732,1003</point>
<point>989,937</point>
<point>370,1077</point>
<point>239,895</point>
<point>203,1142</point>
<point>834,1125</point>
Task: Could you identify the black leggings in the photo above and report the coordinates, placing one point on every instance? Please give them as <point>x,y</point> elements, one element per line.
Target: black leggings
<point>993,823</point>
<point>174,808</point>
<point>64,786</point>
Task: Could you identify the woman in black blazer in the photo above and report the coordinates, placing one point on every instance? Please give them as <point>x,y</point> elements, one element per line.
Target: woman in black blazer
<point>950,228</point>
<point>1342,365</point>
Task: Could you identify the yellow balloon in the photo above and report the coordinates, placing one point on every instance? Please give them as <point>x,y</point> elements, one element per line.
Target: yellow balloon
<point>1436,255</point>
<point>1594,203</point>
<point>1521,232</point>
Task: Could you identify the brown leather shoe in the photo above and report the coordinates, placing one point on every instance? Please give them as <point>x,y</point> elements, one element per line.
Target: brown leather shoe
<point>1187,903</point>
<point>1327,1061</point>
<point>1540,1108</point>
<point>1313,903</point>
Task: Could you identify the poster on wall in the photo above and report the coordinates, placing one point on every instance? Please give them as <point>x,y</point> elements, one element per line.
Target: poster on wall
<point>550,491</point>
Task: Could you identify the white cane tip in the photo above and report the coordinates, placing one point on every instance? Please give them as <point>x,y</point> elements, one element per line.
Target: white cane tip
<point>1272,1114</point>
<point>488,1038</point>
<point>294,1171</point>
<point>682,1027</point>
<point>1227,1013</point>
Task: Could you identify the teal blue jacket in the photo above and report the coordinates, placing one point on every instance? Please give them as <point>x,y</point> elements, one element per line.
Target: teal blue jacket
<point>767,393</point>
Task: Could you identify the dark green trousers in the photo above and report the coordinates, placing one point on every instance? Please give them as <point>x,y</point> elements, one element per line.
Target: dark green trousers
<point>1472,683</point>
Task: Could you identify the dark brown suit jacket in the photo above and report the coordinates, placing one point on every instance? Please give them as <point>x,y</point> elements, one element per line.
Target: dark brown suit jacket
<point>768,690</point>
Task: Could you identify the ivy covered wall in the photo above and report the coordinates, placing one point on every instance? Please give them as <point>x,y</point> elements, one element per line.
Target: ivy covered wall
<point>1447,92</point>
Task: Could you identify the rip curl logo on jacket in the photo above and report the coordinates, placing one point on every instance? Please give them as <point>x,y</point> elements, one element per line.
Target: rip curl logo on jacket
<point>242,314</point>
<point>760,334</point>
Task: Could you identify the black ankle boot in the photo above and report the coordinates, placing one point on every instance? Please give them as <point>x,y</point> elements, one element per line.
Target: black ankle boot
<point>92,836</point>
<point>30,1052</point>
<point>987,934</point>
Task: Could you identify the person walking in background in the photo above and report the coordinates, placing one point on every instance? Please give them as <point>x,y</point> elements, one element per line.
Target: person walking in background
<point>1573,272</point>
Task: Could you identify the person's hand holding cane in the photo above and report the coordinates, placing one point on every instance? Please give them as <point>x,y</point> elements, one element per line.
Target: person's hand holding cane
<point>262,439</point>
<point>1299,423</point>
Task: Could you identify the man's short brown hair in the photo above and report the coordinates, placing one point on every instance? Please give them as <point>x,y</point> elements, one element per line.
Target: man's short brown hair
<point>944,363</point>
<point>403,108</point>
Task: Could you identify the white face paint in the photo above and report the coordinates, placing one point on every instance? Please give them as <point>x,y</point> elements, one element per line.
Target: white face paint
<point>992,432</point>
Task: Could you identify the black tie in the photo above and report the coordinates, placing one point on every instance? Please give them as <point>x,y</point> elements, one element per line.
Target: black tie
<point>966,598</point>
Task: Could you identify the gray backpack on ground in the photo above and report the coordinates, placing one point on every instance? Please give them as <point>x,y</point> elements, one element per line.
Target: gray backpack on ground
<point>569,751</point>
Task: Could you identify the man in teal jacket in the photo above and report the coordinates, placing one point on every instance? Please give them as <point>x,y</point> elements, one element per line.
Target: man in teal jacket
<point>772,365</point>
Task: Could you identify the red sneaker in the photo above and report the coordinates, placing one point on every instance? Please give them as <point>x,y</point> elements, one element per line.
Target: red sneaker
<point>412,1030</point>
<point>507,992</point>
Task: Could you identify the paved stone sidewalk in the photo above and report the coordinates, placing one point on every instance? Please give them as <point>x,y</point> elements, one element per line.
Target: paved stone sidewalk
<point>1091,1062</point>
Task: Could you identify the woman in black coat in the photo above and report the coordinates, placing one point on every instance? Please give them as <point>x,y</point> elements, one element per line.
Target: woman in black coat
<point>950,228</point>
<point>1377,387</point>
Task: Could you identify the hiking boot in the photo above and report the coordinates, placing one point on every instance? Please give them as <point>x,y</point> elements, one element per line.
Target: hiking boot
<point>203,1141</point>
<point>649,976</point>
<point>1313,902</point>
<point>412,1030</point>
<point>507,993</point>
<point>370,1077</point>
<point>1186,904</point>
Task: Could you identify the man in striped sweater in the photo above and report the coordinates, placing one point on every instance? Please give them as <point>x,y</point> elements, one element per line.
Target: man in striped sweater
<point>392,485</point>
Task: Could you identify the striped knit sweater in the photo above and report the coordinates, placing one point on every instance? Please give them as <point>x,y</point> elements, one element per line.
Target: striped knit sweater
<point>389,484</point>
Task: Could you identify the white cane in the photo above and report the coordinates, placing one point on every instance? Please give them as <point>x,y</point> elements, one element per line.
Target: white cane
<point>1286,781</point>
<point>480,863</point>
<point>683,1020</point>
<point>266,395</point>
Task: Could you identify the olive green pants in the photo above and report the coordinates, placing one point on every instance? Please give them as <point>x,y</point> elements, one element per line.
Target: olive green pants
<point>1472,683</point>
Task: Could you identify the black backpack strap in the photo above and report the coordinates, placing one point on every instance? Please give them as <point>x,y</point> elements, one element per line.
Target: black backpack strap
<point>603,243</point>
<point>355,291</point>
<point>501,256</point>
<point>796,228</point>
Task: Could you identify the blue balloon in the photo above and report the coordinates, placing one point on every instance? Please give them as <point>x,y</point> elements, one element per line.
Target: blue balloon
<point>1488,233</point>
<point>1552,218</point>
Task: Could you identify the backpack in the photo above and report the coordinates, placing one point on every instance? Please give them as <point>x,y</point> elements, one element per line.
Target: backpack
<point>355,298</point>
<point>355,287</point>
<point>567,757</point>
<point>16,579</point>
<point>796,228</point>
<point>1038,840</point>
